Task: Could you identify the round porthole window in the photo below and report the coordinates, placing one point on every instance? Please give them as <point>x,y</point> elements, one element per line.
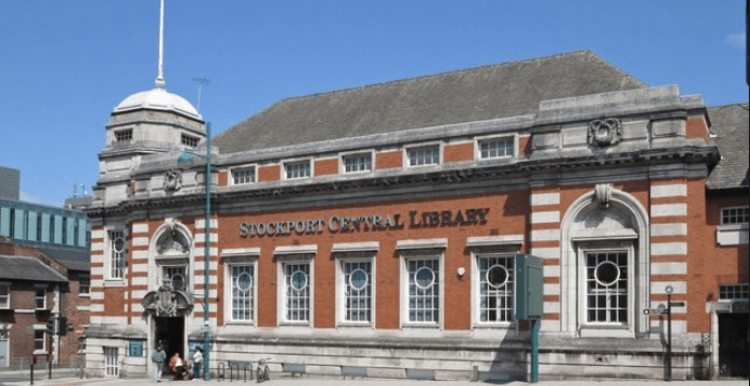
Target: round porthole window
<point>358,279</point>
<point>424,278</point>
<point>607,273</point>
<point>178,282</point>
<point>119,245</point>
<point>299,280</point>
<point>497,276</point>
<point>244,281</point>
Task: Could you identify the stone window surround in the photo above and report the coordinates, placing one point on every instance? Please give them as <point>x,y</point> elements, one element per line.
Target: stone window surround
<point>574,244</point>
<point>355,252</point>
<point>478,150</point>
<point>344,155</point>
<point>240,256</point>
<point>408,248</point>
<point>506,245</point>
<point>294,254</point>
<point>252,166</point>
<point>108,257</point>
<point>308,160</point>
<point>431,144</point>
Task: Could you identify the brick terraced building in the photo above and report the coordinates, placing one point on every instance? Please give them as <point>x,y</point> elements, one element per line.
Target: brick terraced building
<point>370,231</point>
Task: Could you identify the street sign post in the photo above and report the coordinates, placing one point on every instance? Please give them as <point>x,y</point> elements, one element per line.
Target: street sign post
<point>530,301</point>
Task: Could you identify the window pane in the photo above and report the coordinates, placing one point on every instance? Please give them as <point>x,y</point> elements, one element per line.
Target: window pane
<point>243,176</point>
<point>297,277</point>
<point>496,148</point>
<point>297,170</point>
<point>117,254</point>
<point>424,156</point>
<point>358,292</point>
<point>607,283</point>
<point>358,163</point>
<point>496,283</point>
<point>243,291</point>
<point>424,290</point>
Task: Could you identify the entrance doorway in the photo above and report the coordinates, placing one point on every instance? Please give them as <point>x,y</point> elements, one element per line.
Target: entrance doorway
<point>733,345</point>
<point>170,332</point>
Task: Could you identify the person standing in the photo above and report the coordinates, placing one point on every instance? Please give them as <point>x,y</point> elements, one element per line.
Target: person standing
<point>197,362</point>
<point>178,367</point>
<point>158,357</point>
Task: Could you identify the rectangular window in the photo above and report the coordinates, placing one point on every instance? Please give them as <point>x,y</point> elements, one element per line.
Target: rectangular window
<point>117,256</point>
<point>40,298</point>
<point>40,340</point>
<point>189,140</point>
<point>84,284</point>
<point>734,291</point>
<point>357,291</point>
<point>297,292</point>
<point>496,148</point>
<point>496,288</point>
<point>176,275</point>
<point>243,292</point>
<point>732,216</point>
<point>296,170</point>
<point>423,290</point>
<point>241,176</point>
<point>424,156</point>
<point>4,296</point>
<point>110,362</point>
<point>124,135</point>
<point>358,163</point>
<point>607,287</point>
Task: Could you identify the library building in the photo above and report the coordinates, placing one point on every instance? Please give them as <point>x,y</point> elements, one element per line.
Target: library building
<point>371,232</point>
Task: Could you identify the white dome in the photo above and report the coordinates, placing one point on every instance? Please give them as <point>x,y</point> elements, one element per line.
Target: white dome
<point>158,99</point>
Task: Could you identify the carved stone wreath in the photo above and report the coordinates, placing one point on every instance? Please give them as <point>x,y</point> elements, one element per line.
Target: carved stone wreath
<point>173,180</point>
<point>604,132</point>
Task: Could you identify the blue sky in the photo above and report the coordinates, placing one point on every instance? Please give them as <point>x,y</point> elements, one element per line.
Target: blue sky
<point>65,64</point>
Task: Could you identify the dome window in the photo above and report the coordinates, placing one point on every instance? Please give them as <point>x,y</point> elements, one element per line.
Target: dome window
<point>190,141</point>
<point>124,135</point>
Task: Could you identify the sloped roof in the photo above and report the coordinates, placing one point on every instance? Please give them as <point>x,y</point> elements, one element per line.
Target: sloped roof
<point>729,131</point>
<point>76,260</point>
<point>28,268</point>
<point>477,94</point>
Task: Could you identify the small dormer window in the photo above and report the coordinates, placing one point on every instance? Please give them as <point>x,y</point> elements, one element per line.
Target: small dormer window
<point>189,140</point>
<point>420,156</point>
<point>124,135</point>
<point>296,170</point>
<point>358,163</point>
<point>496,148</point>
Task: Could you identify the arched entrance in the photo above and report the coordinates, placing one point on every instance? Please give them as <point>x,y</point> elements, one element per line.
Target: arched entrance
<point>605,263</point>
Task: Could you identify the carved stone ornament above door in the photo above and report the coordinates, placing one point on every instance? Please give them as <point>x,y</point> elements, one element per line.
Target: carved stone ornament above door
<point>167,302</point>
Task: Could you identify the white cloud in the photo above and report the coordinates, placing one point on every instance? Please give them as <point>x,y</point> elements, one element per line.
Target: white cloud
<point>736,40</point>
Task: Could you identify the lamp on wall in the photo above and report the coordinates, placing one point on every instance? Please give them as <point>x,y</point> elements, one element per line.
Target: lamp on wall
<point>186,161</point>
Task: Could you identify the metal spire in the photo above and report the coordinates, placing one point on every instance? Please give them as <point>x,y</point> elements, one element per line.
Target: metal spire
<point>160,78</point>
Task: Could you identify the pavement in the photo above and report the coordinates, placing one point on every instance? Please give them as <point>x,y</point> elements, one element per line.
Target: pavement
<point>10,378</point>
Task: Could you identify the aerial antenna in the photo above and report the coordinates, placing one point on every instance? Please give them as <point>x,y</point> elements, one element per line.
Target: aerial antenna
<point>201,82</point>
<point>160,77</point>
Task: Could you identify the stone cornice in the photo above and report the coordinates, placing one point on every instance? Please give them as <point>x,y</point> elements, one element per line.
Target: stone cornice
<point>462,173</point>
